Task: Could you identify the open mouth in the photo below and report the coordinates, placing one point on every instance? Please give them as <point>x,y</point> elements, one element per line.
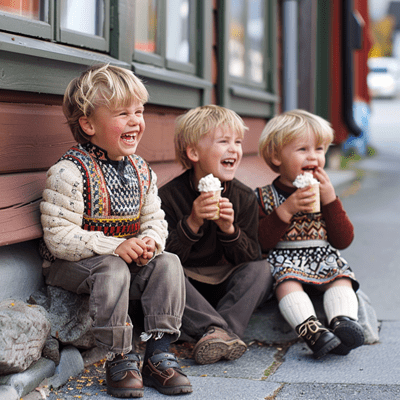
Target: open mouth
<point>229,162</point>
<point>311,170</point>
<point>129,138</point>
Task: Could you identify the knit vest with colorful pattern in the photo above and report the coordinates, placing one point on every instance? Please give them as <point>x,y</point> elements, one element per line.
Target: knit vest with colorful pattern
<point>112,190</point>
<point>302,226</point>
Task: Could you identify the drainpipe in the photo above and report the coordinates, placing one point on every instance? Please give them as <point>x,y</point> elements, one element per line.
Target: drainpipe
<point>290,57</point>
<point>352,40</point>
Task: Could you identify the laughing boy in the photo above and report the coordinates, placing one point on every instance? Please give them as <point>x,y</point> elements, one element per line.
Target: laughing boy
<point>225,277</point>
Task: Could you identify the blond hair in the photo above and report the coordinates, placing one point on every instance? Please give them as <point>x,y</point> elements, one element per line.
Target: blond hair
<point>100,85</point>
<point>284,128</point>
<point>194,124</point>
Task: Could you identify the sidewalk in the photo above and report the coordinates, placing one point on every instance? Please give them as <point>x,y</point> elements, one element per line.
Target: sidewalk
<point>273,372</point>
<point>264,372</point>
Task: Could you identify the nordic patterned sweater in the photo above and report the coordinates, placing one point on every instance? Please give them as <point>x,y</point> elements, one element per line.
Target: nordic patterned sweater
<point>91,204</point>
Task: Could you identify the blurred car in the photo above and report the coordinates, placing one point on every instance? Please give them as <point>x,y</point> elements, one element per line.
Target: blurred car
<point>383,79</point>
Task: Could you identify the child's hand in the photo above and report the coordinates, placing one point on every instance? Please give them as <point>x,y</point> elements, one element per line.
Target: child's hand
<point>226,216</point>
<point>326,189</point>
<point>299,201</point>
<point>204,207</point>
<point>149,252</point>
<point>131,249</point>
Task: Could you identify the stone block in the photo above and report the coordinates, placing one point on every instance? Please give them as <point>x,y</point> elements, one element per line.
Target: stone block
<point>69,316</point>
<point>23,332</point>
<point>26,381</point>
<point>71,364</point>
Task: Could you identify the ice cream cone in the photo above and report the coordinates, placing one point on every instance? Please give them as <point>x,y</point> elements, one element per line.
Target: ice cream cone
<point>316,205</point>
<point>216,197</point>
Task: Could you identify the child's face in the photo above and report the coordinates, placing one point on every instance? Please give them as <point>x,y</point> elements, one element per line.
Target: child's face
<point>301,155</point>
<point>218,153</point>
<point>118,131</point>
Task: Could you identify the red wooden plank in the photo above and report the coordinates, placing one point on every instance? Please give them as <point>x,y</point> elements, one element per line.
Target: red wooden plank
<point>19,224</point>
<point>17,189</point>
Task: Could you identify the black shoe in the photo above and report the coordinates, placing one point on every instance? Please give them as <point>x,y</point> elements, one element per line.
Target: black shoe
<point>349,332</point>
<point>319,339</point>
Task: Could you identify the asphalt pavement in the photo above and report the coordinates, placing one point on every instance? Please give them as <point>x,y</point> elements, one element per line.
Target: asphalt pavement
<point>279,372</point>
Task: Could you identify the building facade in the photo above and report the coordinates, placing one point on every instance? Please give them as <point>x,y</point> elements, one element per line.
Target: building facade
<point>187,52</point>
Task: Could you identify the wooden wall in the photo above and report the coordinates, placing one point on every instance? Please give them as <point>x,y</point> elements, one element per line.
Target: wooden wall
<point>34,135</point>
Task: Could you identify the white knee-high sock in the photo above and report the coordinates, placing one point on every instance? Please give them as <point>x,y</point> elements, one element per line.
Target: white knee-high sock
<point>340,300</point>
<point>296,307</point>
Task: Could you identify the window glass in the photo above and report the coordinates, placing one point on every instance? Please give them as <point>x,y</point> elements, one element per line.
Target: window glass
<point>32,9</point>
<point>255,29</point>
<point>178,40</point>
<point>83,16</point>
<point>236,46</point>
<point>146,21</point>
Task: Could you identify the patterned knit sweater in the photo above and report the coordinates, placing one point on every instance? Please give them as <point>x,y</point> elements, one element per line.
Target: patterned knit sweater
<point>91,207</point>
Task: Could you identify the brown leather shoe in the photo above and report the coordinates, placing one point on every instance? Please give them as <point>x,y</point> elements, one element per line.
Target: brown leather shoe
<point>163,373</point>
<point>123,376</point>
<point>217,344</point>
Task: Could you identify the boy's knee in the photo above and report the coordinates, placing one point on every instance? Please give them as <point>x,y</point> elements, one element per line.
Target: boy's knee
<point>170,266</point>
<point>116,268</point>
<point>258,273</point>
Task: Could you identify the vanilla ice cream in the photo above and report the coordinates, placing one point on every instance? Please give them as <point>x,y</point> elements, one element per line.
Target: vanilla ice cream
<point>305,180</point>
<point>210,183</point>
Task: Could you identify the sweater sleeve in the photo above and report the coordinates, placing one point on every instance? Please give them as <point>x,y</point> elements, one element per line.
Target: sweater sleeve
<point>152,221</point>
<point>180,237</point>
<point>62,213</point>
<point>270,229</point>
<point>338,225</point>
<point>242,245</point>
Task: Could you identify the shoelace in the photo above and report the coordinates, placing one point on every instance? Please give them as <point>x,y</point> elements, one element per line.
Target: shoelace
<point>311,326</point>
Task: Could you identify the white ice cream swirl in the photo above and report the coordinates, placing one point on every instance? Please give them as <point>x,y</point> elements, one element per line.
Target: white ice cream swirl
<point>305,180</point>
<point>209,183</point>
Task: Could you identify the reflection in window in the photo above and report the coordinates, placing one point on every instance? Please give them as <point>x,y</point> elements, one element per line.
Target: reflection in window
<point>246,39</point>
<point>178,48</point>
<point>83,16</point>
<point>255,29</point>
<point>146,25</point>
<point>32,9</point>
<point>236,46</point>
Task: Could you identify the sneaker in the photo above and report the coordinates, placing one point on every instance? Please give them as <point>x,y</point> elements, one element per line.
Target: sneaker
<point>319,339</point>
<point>123,377</point>
<point>217,344</point>
<point>163,373</point>
<point>349,332</point>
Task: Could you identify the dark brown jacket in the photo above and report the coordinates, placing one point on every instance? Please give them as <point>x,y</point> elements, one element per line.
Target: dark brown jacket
<point>210,256</point>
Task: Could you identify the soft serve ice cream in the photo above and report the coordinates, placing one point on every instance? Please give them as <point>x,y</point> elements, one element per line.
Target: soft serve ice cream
<point>305,180</point>
<point>210,183</point>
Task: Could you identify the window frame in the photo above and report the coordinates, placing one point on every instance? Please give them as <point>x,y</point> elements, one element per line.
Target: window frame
<point>94,42</point>
<point>26,26</point>
<point>161,60</point>
<point>32,64</point>
<point>244,96</point>
<point>184,85</point>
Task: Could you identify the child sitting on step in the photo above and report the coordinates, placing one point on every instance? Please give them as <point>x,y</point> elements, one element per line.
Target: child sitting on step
<point>302,244</point>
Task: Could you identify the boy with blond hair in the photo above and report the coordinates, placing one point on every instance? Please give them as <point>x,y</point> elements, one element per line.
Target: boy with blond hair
<point>301,242</point>
<point>105,232</point>
<point>225,277</point>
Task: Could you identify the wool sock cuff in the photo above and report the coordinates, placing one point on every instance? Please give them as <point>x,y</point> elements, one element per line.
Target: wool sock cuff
<point>296,307</point>
<point>340,301</point>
